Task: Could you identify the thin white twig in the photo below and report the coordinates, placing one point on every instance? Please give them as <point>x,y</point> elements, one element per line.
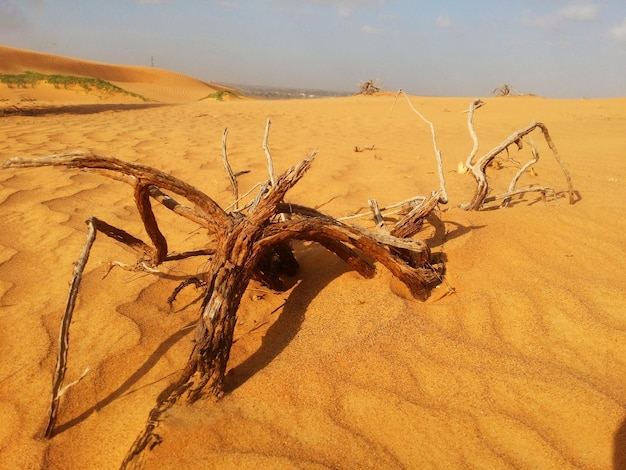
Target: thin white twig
<point>70,385</point>
<point>229,170</point>
<point>520,172</point>
<point>270,163</point>
<point>414,201</point>
<point>443,197</point>
<point>246,194</point>
<point>470,125</point>
<point>266,149</point>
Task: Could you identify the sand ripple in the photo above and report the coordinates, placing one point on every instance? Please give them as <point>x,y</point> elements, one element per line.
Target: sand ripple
<point>523,367</point>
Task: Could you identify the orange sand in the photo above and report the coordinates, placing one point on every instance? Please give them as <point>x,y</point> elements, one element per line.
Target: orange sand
<point>523,367</point>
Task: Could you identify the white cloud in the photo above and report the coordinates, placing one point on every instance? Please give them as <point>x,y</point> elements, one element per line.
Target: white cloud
<point>580,12</point>
<point>371,30</point>
<point>619,32</point>
<point>343,8</point>
<point>576,12</point>
<point>444,21</point>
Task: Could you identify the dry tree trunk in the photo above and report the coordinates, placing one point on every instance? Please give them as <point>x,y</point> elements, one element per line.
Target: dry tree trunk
<point>244,241</point>
<point>232,268</point>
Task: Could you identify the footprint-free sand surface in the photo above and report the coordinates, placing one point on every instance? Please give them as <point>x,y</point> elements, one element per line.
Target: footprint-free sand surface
<point>523,366</point>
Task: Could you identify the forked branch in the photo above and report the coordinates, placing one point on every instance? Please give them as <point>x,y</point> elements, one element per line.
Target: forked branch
<point>207,208</point>
<point>251,244</point>
<point>479,168</point>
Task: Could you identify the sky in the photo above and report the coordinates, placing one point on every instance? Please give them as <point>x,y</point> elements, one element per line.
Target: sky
<point>552,48</point>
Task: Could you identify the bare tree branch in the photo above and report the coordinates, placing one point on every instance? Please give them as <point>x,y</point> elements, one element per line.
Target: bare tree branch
<point>521,171</point>
<point>229,170</point>
<point>479,167</point>
<point>209,209</point>
<point>142,199</point>
<point>378,217</point>
<point>64,334</point>
<point>443,195</point>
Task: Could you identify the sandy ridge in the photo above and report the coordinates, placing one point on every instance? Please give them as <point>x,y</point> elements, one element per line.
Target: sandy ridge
<point>152,83</point>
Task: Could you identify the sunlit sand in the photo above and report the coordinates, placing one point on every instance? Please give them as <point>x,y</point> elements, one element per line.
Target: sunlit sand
<point>523,366</point>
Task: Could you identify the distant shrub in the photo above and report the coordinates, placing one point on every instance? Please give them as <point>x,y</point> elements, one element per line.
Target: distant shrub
<point>220,94</point>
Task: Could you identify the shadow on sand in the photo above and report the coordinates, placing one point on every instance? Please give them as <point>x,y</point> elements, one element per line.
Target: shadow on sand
<point>619,447</point>
<point>319,267</point>
<point>34,110</point>
<point>130,381</point>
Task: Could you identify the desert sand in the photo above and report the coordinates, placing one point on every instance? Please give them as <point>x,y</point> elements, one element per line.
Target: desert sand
<point>518,360</point>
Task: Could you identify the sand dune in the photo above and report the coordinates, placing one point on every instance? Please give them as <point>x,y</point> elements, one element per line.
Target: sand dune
<point>152,83</point>
<point>524,366</point>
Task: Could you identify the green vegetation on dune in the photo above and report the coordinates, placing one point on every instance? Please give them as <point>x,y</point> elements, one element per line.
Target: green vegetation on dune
<point>30,79</point>
<point>219,95</point>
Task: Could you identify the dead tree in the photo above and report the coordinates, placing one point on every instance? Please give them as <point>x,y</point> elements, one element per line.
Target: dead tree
<point>368,87</point>
<point>505,90</point>
<point>253,242</point>
<point>478,168</point>
<point>502,90</point>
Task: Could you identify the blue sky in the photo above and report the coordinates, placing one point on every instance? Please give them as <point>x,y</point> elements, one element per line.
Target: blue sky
<point>554,48</point>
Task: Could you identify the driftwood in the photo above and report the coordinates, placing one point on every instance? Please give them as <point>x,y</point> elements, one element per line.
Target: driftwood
<point>252,244</point>
<point>478,168</point>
